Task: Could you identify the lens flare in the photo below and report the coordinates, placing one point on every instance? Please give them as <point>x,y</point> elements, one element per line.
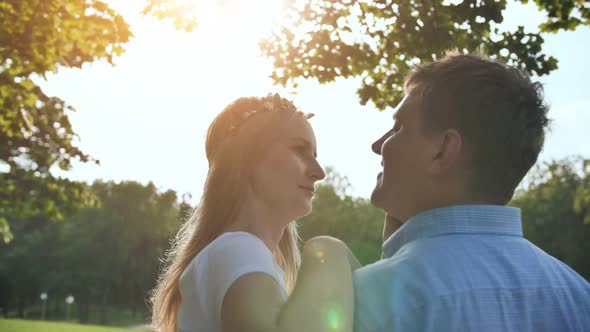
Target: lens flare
<point>333,319</point>
<point>333,316</point>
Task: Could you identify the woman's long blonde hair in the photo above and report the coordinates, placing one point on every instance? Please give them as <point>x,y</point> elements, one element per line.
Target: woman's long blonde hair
<point>235,140</point>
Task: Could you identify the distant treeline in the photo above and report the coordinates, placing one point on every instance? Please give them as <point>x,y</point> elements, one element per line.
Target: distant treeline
<point>108,255</point>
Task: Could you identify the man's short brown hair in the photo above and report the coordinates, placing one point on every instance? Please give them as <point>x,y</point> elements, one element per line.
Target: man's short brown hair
<point>498,110</point>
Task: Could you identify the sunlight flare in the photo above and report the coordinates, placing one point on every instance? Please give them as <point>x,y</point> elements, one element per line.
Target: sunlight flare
<point>251,19</point>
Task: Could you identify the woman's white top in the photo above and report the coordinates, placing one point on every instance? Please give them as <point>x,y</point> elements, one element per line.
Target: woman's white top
<point>206,280</point>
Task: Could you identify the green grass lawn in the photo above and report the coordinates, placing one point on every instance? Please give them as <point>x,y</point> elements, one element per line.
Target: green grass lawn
<point>19,325</point>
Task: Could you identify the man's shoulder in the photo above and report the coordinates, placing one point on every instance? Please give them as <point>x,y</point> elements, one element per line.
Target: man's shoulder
<point>390,290</point>
<point>402,273</point>
<point>391,265</point>
<point>417,256</point>
<point>559,273</point>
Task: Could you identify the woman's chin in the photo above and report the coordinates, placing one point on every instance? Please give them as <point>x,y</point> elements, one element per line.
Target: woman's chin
<point>304,210</point>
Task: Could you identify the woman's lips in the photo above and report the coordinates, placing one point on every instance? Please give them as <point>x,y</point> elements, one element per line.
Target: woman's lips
<point>309,189</point>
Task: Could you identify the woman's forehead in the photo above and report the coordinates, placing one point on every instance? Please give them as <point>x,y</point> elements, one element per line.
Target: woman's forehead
<point>299,129</point>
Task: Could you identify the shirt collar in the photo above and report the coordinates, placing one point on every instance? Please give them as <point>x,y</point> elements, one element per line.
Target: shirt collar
<point>474,219</point>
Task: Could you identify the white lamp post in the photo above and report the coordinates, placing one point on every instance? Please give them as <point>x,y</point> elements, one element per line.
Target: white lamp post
<point>43,304</point>
<point>69,301</point>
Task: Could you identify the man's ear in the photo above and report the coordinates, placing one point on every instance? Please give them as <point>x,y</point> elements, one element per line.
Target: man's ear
<point>450,147</point>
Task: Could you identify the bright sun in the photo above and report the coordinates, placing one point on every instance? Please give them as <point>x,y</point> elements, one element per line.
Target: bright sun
<point>244,19</point>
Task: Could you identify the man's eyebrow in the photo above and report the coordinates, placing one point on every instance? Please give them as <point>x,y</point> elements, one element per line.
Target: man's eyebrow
<point>306,143</point>
<point>401,110</point>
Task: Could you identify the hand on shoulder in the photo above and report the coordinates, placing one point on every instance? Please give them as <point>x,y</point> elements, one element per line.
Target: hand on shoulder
<point>328,247</point>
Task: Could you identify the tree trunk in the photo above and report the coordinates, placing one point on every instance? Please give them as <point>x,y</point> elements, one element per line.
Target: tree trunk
<point>134,310</point>
<point>20,305</point>
<point>83,307</point>
<point>53,309</point>
<point>103,308</point>
<point>5,309</point>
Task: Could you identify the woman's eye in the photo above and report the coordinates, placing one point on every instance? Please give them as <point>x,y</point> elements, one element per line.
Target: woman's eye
<point>299,149</point>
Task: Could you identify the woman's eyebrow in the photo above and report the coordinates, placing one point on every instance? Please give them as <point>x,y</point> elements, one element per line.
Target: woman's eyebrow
<point>306,143</point>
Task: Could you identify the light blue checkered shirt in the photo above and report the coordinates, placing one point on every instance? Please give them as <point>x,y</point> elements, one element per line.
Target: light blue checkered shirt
<point>468,268</point>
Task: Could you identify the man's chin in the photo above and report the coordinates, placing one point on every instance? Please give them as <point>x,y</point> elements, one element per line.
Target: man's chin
<point>381,201</point>
<point>376,198</point>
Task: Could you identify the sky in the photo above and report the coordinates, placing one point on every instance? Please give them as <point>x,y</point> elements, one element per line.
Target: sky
<point>145,117</point>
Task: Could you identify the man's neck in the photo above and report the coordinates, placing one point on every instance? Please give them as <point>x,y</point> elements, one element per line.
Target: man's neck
<point>390,225</point>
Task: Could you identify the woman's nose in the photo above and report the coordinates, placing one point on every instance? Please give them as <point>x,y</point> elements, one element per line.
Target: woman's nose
<point>316,171</point>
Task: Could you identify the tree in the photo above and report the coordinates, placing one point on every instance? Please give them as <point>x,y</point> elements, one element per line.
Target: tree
<point>379,41</point>
<point>38,37</point>
<point>182,13</point>
<point>106,255</point>
<point>25,263</point>
<point>561,15</point>
<point>338,182</point>
<point>353,220</point>
<point>140,222</point>
<point>564,15</point>
<point>556,211</point>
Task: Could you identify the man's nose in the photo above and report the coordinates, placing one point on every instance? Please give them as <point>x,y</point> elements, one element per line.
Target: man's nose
<point>376,146</point>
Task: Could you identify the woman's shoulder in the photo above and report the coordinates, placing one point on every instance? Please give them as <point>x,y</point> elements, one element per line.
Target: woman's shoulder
<point>237,235</point>
<point>231,241</point>
<point>229,251</point>
<point>226,258</point>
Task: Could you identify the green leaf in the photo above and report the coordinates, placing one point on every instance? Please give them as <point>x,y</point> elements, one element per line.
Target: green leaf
<point>379,41</point>
<point>5,230</point>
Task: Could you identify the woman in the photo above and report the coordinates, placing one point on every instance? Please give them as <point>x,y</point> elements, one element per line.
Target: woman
<point>235,262</point>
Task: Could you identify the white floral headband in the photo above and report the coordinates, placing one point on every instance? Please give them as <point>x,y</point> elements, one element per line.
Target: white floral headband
<point>273,103</point>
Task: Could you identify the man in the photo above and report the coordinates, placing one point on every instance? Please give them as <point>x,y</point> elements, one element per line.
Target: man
<point>464,136</point>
